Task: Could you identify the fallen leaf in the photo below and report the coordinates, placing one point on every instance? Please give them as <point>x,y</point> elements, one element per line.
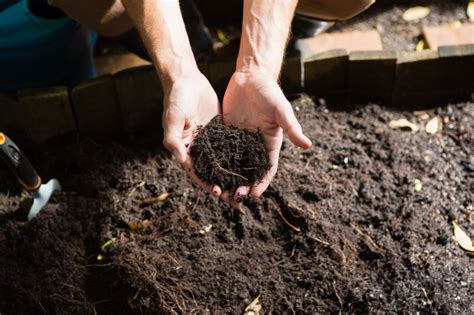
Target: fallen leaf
<point>254,308</point>
<point>417,184</point>
<point>462,238</point>
<point>416,13</point>
<point>403,124</point>
<point>151,201</point>
<point>422,45</point>
<point>206,229</point>
<point>108,244</point>
<point>455,24</point>
<point>470,10</point>
<point>433,125</point>
<point>139,226</point>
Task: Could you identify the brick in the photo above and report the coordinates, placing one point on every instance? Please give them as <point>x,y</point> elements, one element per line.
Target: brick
<point>418,79</point>
<point>372,75</point>
<point>457,66</point>
<point>48,113</point>
<point>96,107</point>
<point>445,35</point>
<point>290,78</point>
<point>140,98</point>
<point>350,41</point>
<point>325,74</point>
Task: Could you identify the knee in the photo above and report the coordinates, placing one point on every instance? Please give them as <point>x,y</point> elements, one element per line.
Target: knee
<point>333,9</point>
<point>349,9</point>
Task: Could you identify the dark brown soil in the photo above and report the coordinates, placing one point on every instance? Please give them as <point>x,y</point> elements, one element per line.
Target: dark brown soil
<point>385,16</point>
<point>228,156</point>
<point>340,229</point>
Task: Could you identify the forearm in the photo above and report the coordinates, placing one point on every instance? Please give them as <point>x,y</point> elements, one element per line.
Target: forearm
<point>265,30</point>
<point>162,29</point>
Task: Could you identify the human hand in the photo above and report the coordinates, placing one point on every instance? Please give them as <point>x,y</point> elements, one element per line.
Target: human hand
<point>190,101</point>
<point>253,100</point>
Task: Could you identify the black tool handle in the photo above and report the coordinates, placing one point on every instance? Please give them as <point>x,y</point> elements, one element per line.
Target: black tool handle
<point>19,164</point>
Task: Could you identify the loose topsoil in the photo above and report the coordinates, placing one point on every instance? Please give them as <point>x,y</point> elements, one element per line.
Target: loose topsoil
<point>228,156</point>
<point>341,228</point>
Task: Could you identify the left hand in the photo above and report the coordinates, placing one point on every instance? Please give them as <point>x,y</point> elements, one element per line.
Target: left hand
<point>254,101</point>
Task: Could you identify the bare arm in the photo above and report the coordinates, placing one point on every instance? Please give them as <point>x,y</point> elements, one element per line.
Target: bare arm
<point>265,30</point>
<point>162,29</point>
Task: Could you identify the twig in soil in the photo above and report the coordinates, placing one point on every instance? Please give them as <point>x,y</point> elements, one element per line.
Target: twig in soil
<point>228,172</point>
<point>283,217</point>
<point>341,305</point>
<point>426,296</point>
<point>321,241</point>
<point>132,191</point>
<point>370,240</point>
<point>287,258</point>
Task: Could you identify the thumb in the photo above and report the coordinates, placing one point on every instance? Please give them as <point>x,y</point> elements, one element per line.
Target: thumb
<point>286,119</point>
<point>173,136</point>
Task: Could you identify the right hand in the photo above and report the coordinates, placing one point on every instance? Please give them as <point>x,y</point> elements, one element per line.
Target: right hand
<point>190,101</point>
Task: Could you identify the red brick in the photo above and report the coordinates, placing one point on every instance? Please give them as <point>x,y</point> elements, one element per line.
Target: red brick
<point>446,35</point>
<point>350,41</point>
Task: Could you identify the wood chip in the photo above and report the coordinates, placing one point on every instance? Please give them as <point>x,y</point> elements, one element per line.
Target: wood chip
<point>151,201</point>
<point>416,13</point>
<point>403,124</point>
<point>462,238</point>
<point>254,308</point>
<point>433,125</point>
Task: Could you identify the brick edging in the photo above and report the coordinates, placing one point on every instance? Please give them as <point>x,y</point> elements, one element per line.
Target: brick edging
<point>131,100</point>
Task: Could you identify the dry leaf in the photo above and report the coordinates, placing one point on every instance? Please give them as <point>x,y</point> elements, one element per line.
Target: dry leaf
<point>417,184</point>
<point>422,45</point>
<point>416,13</point>
<point>254,308</point>
<point>433,125</point>
<point>403,124</point>
<point>139,226</point>
<point>151,201</point>
<point>206,229</point>
<point>470,10</point>
<point>462,238</point>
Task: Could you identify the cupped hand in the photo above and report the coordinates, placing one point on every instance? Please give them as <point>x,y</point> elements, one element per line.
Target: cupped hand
<point>254,100</point>
<point>190,101</point>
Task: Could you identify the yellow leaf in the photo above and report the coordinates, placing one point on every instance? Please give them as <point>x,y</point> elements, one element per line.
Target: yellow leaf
<point>151,201</point>
<point>108,243</point>
<point>138,226</point>
<point>417,184</point>
<point>433,125</point>
<point>403,124</point>
<point>222,37</point>
<point>462,238</point>
<point>254,308</point>
<point>422,45</point>
<point>470,10</point>
<point>416,13</point>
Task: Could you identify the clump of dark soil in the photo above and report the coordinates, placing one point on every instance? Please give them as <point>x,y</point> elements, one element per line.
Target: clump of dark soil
<point>341,229</point>
<point>228,156</point>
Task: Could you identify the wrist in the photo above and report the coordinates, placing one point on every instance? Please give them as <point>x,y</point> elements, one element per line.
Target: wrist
<point>171,71</point>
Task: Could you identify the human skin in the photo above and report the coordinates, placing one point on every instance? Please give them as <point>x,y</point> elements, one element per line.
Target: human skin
<point>253,98</point>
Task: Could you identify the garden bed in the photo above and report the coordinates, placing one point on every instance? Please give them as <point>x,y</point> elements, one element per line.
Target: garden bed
<point>341,228</point>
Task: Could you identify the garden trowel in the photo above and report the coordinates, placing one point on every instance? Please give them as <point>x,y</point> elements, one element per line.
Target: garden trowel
<point>26,175</point>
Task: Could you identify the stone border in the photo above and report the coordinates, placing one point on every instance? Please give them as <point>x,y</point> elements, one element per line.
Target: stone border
<point>131,101</point>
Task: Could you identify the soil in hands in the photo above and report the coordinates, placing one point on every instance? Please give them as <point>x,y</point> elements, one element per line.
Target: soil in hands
<point>228,156</point>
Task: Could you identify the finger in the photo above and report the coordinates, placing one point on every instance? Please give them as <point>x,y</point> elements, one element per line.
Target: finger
<point>287,120</point>
<point>258,189</point>
<point>189,168</point>
<point>173,136</point>
<point>241,193</point>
